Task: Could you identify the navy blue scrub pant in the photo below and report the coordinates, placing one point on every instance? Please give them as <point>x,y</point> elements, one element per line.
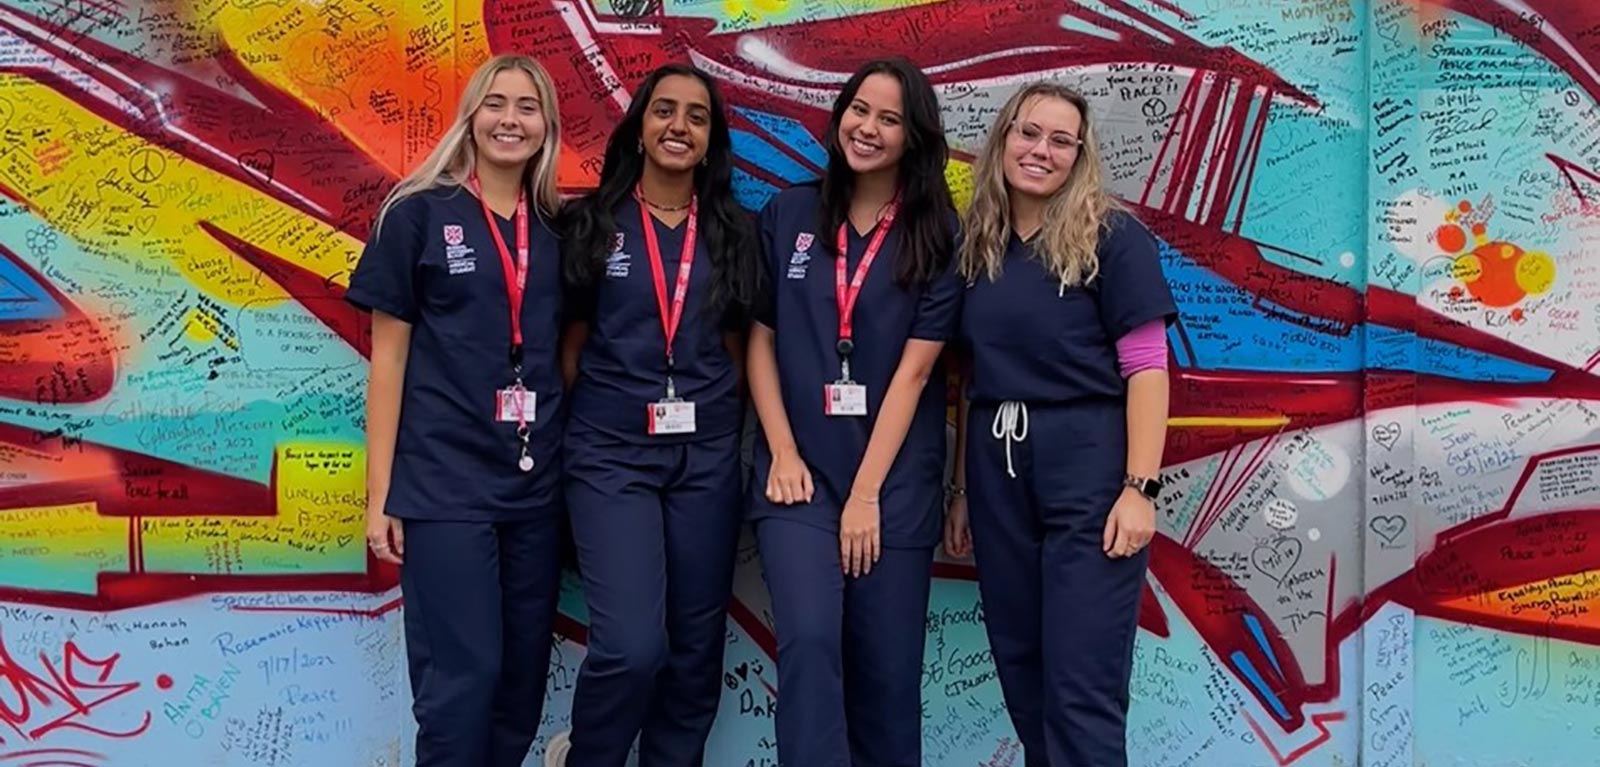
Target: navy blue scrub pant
<point>657,531</point>
<point>849,649</point>
<point>480,602</point>
<point>1060,614</point>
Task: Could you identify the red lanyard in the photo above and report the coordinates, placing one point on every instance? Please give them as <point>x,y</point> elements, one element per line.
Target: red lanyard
<point>516,274</point>
<point>844,295</point>
<point>680,291</point>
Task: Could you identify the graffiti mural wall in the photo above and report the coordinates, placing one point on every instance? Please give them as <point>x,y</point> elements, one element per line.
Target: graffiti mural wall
<point>1381,221</point>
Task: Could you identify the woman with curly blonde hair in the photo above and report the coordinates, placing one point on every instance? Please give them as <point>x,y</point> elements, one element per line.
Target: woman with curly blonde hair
<point>1064,321</point>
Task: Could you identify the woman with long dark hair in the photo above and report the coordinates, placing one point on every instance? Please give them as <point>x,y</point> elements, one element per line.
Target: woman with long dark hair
<point>659,261</point>
<point>858,299</point>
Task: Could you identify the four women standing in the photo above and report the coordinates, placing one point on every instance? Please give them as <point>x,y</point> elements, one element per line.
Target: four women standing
<point>848,291</point>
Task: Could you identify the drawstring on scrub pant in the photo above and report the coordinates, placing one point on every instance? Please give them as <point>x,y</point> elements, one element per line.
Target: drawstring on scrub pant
<point>1011,425</point>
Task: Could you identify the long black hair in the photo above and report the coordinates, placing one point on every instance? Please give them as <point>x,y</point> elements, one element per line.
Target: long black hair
<point>589,225</point>
<point>925,205</point>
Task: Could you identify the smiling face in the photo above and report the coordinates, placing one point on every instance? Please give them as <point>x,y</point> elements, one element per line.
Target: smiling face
<point>1041,146</point>
<point>872,129</point>
<point>676,129</point>
<point>508,127</point>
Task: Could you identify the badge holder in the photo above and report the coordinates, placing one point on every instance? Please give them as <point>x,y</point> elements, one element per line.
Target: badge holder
<point>671,414</point>
<point>844,397</point>
<point>517,404</point>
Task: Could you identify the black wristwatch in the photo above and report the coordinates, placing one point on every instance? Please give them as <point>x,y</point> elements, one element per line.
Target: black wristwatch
<point>1149,488</point>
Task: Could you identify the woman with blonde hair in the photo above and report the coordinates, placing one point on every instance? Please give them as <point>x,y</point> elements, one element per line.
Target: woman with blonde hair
<point>464,415</point>
<point>1064,324</point>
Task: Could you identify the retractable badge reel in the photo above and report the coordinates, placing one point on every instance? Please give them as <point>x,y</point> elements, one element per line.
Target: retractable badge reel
<point>519,405</point>
<point>671,414</point>
<point>845,396</point>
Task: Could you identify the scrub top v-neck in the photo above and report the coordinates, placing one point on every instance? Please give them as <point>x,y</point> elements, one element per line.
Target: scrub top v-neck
<point>434,264</point>
<point>623,365</point>
<point>1032,341</point>
<point>798,302</point>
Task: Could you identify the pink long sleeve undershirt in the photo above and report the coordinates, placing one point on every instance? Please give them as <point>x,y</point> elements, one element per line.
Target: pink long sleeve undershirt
<point>1143,348</point>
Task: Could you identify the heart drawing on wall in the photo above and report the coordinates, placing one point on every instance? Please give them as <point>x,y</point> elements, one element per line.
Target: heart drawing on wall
<point>1388,527</point>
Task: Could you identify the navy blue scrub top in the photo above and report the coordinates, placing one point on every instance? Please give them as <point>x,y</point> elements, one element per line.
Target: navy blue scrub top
<point>434,264</point>
<point>1029,342</point>
<point>623,366</point>
<point>799,305</point>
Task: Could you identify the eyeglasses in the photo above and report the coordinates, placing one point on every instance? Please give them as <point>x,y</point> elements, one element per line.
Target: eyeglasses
<point>1059,142</point>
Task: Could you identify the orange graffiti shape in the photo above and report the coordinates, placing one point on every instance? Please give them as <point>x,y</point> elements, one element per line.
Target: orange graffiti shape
<point>1498,274</point>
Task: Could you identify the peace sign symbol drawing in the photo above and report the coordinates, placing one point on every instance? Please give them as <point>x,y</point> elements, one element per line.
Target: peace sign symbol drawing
<point>146,165</point>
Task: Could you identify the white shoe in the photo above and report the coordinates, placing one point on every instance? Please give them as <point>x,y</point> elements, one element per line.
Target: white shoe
<point>555,751</point>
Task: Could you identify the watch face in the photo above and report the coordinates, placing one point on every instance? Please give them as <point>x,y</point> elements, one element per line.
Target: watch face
<point>1148,487</point>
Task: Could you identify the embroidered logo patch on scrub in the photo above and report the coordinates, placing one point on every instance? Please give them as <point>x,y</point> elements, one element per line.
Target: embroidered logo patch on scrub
<point>801,259</point>
<point>458,257</point>
<point>618,264</point>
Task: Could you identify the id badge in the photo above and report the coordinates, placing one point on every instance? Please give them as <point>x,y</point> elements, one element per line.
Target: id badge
<point>512,403</point>
<point>671,417</point>
<point>844,399</point>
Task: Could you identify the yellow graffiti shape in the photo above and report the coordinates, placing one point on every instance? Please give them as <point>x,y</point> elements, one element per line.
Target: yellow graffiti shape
<point>318,527</point>
<point>60,548</point>
<point>1536,272</point>
<point>99,199</point>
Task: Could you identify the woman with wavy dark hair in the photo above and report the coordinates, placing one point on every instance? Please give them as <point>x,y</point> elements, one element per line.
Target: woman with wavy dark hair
<point>857,301</point>
<point>659,265</point>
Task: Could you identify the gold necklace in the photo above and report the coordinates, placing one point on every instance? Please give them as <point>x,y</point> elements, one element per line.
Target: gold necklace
<point>667,208</point>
